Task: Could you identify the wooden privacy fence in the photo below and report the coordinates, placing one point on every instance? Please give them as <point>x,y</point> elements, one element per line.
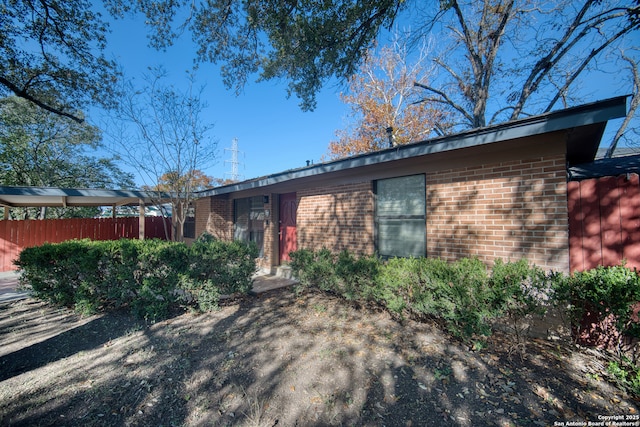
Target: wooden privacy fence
<point>17,235</point>
<point>604,222</point>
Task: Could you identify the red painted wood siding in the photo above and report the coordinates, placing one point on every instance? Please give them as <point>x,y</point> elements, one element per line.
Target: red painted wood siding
<point>604,222</point>
<point>17,235</point>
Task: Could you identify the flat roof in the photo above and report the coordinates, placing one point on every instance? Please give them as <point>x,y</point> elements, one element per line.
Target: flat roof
<point>587,123</point>
<point>17,196</point>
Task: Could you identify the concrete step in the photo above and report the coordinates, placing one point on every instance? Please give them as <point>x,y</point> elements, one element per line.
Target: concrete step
<point>284,271</point>
<point>266,283</point>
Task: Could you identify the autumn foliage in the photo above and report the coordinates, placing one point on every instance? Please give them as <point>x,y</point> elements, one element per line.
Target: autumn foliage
<point>382,95</point>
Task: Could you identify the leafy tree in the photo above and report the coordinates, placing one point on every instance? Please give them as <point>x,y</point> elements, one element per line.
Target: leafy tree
<point>39,148</point>
<point>500,59</point>
<point>217,182</point>
<point>171,146</point>
<point>505,59</point>
<point>306,42</point>
<point>193,180</point>
<point>381,96</point>
<point>51,55</point>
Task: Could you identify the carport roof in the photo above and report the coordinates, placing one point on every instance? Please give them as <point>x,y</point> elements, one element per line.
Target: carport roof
<point>48,196</point>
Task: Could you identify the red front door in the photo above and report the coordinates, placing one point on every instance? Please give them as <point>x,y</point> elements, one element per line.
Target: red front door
<point>288,209</point>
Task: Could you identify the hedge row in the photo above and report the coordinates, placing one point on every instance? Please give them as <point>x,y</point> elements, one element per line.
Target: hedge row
<point>148,276</point>
<point>466,296</point>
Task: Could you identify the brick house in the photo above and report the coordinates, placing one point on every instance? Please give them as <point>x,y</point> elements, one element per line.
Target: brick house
<point>495,192</point>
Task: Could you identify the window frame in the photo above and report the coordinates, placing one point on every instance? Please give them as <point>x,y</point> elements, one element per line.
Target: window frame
<point>421,217</point>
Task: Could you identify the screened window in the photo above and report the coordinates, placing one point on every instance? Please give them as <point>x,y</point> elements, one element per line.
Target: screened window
<point>400,216</point>
<point>248,223</point>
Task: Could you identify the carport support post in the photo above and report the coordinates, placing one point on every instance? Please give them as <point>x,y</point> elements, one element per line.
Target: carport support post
<point>141,221</point>
<point>6,212</point>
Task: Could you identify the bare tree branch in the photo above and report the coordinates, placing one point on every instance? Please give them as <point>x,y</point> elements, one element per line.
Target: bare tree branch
<point>171,142</point>
<point>563,46</point>
<point>23,94</point>
<point>445,100</point>
<point>633,107</point>
<point>594,52</point>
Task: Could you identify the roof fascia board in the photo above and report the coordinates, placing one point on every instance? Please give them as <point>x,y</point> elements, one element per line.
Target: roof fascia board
<point>75,196</point>
<point>597,112</point>
<point>69,192</point>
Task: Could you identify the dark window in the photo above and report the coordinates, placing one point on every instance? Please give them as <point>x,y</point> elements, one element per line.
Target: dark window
<point>400,216</point>
<point>189,226</point>
<point>248,225</point>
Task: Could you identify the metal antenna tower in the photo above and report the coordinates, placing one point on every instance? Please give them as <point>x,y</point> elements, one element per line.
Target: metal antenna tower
<point>235,176</point>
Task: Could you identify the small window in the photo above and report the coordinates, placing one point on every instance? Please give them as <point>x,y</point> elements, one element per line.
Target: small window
<point>401,217</point>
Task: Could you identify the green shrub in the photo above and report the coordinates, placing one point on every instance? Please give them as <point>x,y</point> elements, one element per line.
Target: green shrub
<point>62,273</point>
<point>300,261</point>
<point>520,290</point>
<point>455,293</point>
<point>353,278</point>
<point>626,374</point>
<point>314,268</point>
<point>465,301</point>
<point>149,276</point>
<point>356,277</point>
<point>229,265</point>
<point>118,266</point>
<point>412,284</point>
<point>602,291</point>
<point>392,289</point>
<point>159,267</point>
<point>462,294</point>
<point>204,294</point>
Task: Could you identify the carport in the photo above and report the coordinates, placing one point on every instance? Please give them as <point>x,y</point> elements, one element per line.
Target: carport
<point>13,197</point>
<point>16,235</point>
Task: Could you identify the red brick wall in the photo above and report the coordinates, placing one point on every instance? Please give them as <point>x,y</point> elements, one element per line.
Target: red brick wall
<point>215,216</point>
<point>337,218</point>
<point>510,210</point>
<point>203,209</point>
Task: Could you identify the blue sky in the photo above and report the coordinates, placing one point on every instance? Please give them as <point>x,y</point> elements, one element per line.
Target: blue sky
<point>272,131</point>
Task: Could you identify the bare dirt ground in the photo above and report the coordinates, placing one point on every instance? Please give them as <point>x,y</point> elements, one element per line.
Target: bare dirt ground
<point>278,359</point>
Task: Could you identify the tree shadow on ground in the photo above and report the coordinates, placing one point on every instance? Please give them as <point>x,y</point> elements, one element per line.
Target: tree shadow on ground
<point>79,336</point>
<point>306,360</point>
